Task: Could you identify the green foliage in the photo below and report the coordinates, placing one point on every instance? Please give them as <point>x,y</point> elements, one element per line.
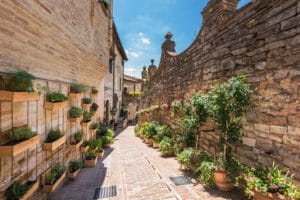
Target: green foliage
<point>75,165</point>
<point>107,140</point>
<point>95,126</point>
<point>78,88</point>
<point>207,174</point>
<point>166,146</point>
<point>94,90</point>
<point>87,100</point>
<point>201,104</point>
<point>53,135</point>
<point>271,180</point>
<point>20,134</point>
<point>78,136</point>
<point>176,108</point>
<point>17,190</point>
<point>56,97</point>
<point>95,143</point>
<point>75,112</point>
<point>186,157</point>
<point>55,174</point>
<point>151,129</point>
<point>87,116</point>
<point>137,130</point>
<point>90,155</point>
<point>110,132</point>
<point>22,82</point>
<point>162,131</point>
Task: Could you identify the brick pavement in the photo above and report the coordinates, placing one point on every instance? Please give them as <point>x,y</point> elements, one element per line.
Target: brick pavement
<point>139,173</point>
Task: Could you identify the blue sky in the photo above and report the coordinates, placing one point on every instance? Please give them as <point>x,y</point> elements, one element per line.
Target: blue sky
<point>142,25</point>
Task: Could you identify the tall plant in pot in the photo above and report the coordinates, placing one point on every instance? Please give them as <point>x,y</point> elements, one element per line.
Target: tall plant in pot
<point>230,101</point>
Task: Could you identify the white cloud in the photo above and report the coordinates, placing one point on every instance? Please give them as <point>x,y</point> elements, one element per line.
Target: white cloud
<point>145,40</point>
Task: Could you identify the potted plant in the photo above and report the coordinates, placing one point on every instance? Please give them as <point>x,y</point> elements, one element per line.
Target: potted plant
<point>54,140</point>
<point>87,119</point>
<point>94,92</point>
<point>107,141</point>
<point>86,103</point>
<point>166,146</point>
<point>94,108</point>
<point>99,152</point>
<point>75,114</point>
<point>19,88</point>
<point>230,101</point>
<point>74,168</point>
<point>271,183</point>
<point>77,90</point>
<point>55,100</point>
<point>18,140</point>
<point>84,147</point>
<point>77,140</point>
<point>22,191</point>
<point>54,178</point>
<point>90,159</point>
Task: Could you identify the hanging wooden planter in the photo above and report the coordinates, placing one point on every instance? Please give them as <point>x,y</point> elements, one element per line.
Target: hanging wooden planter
<point>52,188</point>
<point>29,193</point>
<point>76,95</point>
<point>52,146</point>
<point>86,106</point>
<point>55,105</point>
<point>90,163</point>
<point>18,96</point>
<point>13,150</point>
<point>84,149</point>
<point>76,119</point>
<point>76,146</point>
<point>93,133</point>
<point>86,124</point>
<point>73,174</point>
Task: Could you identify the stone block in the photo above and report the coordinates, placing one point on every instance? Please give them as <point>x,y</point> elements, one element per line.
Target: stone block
<point>293,130</point>
<point>278,129</point>
<point>249,141</point>
<point>262,127</point>
<point>290,141</point>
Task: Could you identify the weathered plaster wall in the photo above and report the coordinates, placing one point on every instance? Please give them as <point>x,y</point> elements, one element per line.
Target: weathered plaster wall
<point>262,41</point>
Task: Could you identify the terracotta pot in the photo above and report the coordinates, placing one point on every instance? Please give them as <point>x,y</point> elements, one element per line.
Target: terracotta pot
<point>148,141</point>
<point>259,196</point>
<point>221,180</point>
<point>155,145</point>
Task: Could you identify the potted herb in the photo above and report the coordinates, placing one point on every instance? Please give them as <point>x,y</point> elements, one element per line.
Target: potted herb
<point>19,88</point>
<point>77,90</point>
<point>166,146</point>
<point>86,103</point>
<point>94,92</point>
<point>19,140</point>
<point>74,168</point>
<point>54,178</point>
<point>22,191</point>
<point>55,100</point>
<point>87,119</point>
<point>230,101</point>
<point>107,141</point>
<point>75,114</point>
<point>54,140</point>
<point>84,147</point>
<point>90,159</point>
<point>77,140</point>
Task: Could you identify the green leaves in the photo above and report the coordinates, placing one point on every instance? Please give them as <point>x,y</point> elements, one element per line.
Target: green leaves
<point>56,97</point>
<point>55,174</point>
<point>17,190</point>
<point>20,134</point>
<point>22,82</point>
<point>75,165</point>
<point>75,112</point>
<point>53,135</point>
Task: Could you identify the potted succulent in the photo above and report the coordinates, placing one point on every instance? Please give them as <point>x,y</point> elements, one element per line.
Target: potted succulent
<point>86,103</point>
<point>22,191</point>
<point>77,90</point>
<point>18,140</point>
<point>87,119</point>
<point>84,147</point>
<point>19,88</point>
<point>74,168</point>
<point>107,141</point>
<point>54,140</point>
<point>55,100</point>
<point>77,140</point>
<point>90,159</point>
<point>94,92</point>
<point>54,178</point>
<point>75,114</point>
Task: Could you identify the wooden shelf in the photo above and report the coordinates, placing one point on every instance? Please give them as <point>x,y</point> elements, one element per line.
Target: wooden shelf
<point>18,96</point>
<point>52,188</point>
<point>55,105</point>
<point>52,146</point>
<point>13,150</point>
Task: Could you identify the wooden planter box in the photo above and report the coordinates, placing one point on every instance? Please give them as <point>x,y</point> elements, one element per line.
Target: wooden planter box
<point>55,105</point>
<point>52,188</point>
<point>76,95</point>
<point>76,119</point>
<point>100,155</point>
<point>29,193</point>
<point>86,106</point>
<point>86,124</point>
<point>93,133</point>
<point>76,146</point>
<point>90,163</point>
<point>74,174</point>
<point>54,145</point>
<point>18,96</point>
<point>84,149</point>
<point>13,150</point>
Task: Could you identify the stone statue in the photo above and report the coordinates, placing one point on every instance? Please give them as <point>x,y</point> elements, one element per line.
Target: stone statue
<point>151,69</point>
<point>168,44</point>
<point>144,74</point>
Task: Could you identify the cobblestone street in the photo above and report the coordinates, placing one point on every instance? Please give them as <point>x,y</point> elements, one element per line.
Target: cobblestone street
<point>139,172</point>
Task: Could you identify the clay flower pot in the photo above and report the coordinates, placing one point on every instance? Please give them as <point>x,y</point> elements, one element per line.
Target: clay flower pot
<point>221,180</point>
<point>260,196</point>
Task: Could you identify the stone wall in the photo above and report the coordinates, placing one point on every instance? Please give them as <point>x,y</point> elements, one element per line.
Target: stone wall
<point>260,40</point>
<point>59,42</point>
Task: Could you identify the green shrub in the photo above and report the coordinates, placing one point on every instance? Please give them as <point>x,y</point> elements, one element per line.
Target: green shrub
<point>94,90</point>
<point>22,82</point>
<point>110,132</point>
<point>151,130</point>
<point>53,135</point>
<point>75,165</point>
<point>87,116</point>
<point>75,112</point>
<point>86,143</point>
<point>20,134</point>
<point>17,190</point>
<point>137,130</point>
<point>107,140</point>
<point>95,126</point>
<point>166,146</point>
<point>78,136</point>
<point>95,143</point>
<point>56,97</point>
<point>90,155</point>
<point>55,174</point>
<point>78,88</point>
<point>86,100</point>
<point>207,174</point>
<point>186,157</point>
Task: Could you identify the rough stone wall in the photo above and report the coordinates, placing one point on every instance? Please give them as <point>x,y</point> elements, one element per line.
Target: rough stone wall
<point>59,42</point>
<point>262,41</point>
